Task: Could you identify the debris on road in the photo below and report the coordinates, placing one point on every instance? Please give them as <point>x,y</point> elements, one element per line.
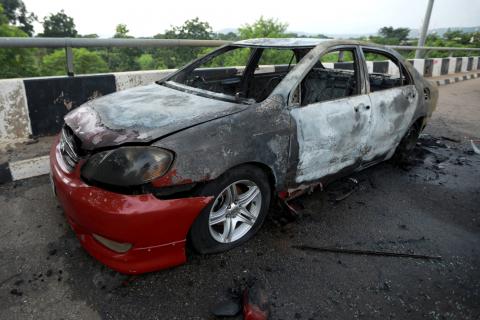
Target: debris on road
<point>229,308</point>
<point>342,189</point>
<point>366,252</point>
<point>255,302</point>
<point>474,147</point>
<point>450,139</point>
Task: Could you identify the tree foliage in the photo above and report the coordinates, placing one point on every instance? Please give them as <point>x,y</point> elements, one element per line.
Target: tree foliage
<point>263,28</point>
<point>191,29</point>
<point>15,62</point>
<point>122,59</point>
<point>391,36</point>
<point>59,25</point>
<point>17,15</point>
<point>85,61</point>
<point>400,34</point>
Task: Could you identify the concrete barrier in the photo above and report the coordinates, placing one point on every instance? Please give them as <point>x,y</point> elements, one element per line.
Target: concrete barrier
<point>35,107</point>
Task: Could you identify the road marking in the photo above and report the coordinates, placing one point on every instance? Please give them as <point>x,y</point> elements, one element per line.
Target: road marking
<point>24,169</point>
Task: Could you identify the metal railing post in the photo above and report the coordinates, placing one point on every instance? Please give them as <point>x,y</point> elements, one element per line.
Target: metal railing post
<point>69,61</point>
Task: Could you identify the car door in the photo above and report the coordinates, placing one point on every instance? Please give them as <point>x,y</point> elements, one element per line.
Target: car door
<point>332,116</point>
<point>394,99</point>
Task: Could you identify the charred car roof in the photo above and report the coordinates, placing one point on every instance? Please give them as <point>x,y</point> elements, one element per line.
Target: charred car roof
<point>281,42</point>
<point>306,43</point>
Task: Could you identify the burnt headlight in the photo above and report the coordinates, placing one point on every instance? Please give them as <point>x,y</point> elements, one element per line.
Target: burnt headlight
<point>127,166</point>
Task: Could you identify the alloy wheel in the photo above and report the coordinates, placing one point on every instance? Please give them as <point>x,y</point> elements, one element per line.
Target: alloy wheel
<point>235,211</point>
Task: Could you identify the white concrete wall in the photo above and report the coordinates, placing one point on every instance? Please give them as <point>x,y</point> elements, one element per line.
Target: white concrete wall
<point>419,64</point>
<point>370,66</point>
<point>464,64</point>
<point>451,65</point>
<point>125,80</point>
<point>437,67</point>
<point>393,69</point>
<point>14,118</point>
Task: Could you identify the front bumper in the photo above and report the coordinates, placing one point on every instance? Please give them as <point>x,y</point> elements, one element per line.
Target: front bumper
<point>157,229</point>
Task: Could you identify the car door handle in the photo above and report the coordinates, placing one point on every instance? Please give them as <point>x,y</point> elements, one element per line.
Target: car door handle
<point>357,108</point>
<point>410,95</point>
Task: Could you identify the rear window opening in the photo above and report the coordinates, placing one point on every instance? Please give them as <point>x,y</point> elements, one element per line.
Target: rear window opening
<point>384,71</point>
<point>236,73</point>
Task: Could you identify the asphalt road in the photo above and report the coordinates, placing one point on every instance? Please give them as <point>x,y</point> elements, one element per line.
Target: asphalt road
<point>430,206</point>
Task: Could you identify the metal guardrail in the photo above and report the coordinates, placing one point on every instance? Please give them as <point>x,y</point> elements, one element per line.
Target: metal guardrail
<point>69,43</point>
<point>102,43</point>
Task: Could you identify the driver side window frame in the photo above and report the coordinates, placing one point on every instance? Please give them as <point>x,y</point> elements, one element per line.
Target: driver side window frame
<point>296,92</point>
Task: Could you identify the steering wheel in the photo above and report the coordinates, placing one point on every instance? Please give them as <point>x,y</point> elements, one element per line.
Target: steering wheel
<point>198,81</point>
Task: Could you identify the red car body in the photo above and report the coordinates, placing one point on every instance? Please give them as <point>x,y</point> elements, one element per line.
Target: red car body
<point>156,228</point>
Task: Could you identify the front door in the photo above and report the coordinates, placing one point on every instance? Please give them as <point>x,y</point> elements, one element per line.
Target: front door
<point>332,118</point>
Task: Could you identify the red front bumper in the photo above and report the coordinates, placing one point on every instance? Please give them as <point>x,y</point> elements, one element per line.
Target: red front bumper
<point>157,229</point>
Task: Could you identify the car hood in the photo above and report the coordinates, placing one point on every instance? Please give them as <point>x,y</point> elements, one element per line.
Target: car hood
<point>143,114</point>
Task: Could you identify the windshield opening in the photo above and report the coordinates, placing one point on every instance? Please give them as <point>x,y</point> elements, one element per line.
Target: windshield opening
<point>237,73</point>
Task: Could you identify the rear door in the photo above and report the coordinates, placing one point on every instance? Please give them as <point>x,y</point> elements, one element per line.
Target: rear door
<point>394,99</point>
<point>332,115</point>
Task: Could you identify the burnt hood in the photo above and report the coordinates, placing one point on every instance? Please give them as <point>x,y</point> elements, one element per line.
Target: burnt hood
<point>142,114</point>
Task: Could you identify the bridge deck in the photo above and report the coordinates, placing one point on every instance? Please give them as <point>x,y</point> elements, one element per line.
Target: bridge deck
<point>428,207</point>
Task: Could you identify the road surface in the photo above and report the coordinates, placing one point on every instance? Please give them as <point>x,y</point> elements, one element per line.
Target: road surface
<point>430,206</point>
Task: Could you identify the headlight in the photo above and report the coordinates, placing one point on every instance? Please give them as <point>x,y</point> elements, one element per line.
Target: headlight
<point>127,166</point>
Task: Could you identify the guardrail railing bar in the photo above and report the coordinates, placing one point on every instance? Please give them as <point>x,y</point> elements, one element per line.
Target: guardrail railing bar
<point>18,42</point>
<point>69,43</point>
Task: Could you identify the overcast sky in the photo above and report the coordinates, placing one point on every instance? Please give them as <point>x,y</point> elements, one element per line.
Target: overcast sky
<point>148,17</point>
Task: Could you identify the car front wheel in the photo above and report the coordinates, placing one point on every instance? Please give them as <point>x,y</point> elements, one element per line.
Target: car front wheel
<point>241,201</point>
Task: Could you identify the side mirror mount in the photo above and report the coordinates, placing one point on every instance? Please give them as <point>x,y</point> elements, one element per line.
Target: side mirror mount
<point>295,97</point>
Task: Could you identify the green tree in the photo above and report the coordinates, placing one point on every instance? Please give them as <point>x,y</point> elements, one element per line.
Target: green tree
<point>231,36</point>
<point>147,62</point>
<point>15,62</point>
<point>191,29</point>
<point>59,25</point>
<point>263,28</point>
<point>400,34</point>
<point>121,31</point>
<point>85,61</point>
<point>457,36</point>
<point>90,35</point>
<point>17,15</point>
<point>266,28</point>
<point>122,59</point>
<point>391,36</point>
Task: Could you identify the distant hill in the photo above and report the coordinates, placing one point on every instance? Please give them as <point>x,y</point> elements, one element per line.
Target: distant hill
<point>414,33</point>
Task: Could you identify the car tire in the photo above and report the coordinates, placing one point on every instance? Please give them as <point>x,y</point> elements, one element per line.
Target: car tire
<point>407,144</point>
<point>210,233</point>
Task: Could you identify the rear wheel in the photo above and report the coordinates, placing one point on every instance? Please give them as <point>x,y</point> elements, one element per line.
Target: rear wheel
<point>406,146</point>
<point>241,201</point>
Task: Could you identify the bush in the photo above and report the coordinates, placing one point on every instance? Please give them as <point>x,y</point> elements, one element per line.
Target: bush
<point>84,62</point>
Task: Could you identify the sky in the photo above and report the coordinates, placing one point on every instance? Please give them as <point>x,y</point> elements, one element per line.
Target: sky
<point>148,17</point>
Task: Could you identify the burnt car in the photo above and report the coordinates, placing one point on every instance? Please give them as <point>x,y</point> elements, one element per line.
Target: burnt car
<point>201,154</point>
